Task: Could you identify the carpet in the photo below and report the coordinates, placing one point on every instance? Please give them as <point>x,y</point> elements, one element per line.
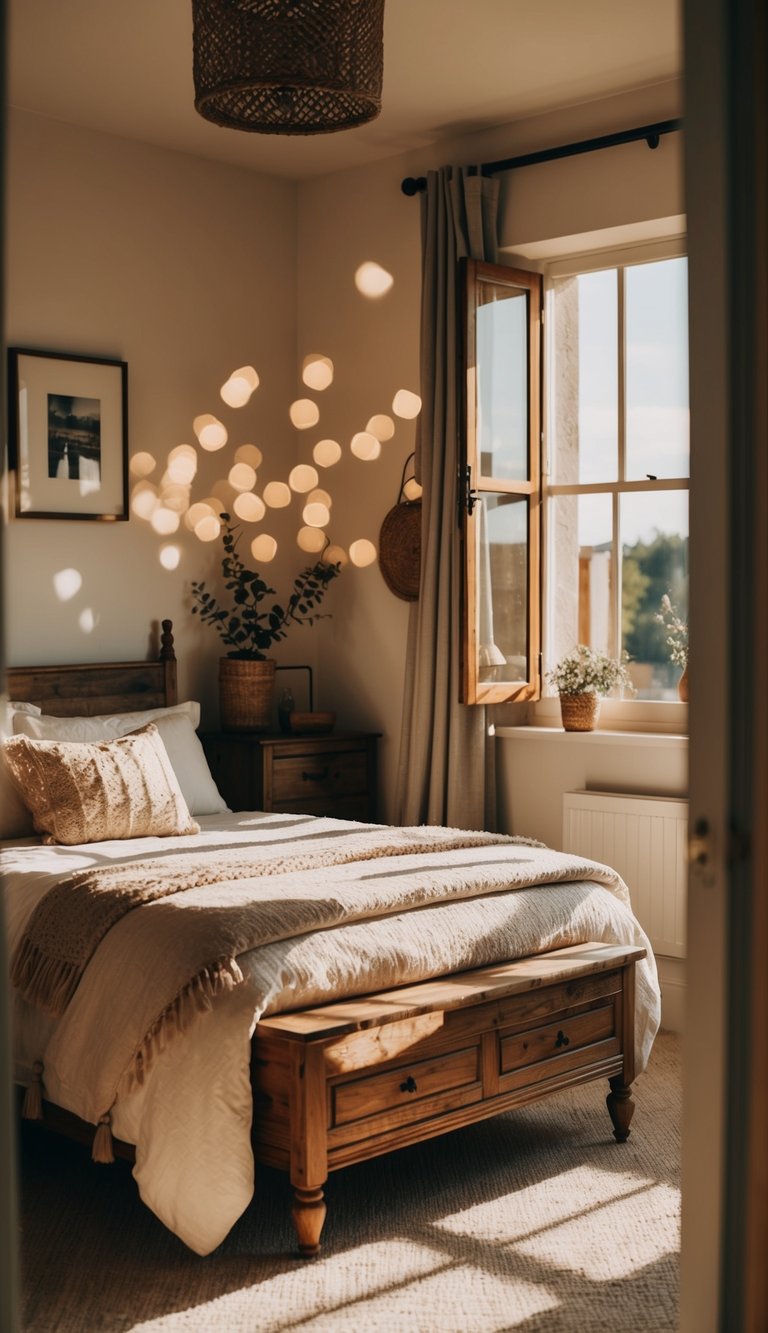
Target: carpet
<point>535,1221</point>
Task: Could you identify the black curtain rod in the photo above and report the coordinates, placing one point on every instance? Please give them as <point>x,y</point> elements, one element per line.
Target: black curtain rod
<point>651,133</point>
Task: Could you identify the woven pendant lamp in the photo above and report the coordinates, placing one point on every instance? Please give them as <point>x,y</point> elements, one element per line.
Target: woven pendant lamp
<point>288,66</point>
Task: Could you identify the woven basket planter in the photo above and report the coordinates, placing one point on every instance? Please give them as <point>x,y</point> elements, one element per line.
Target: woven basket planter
<point>246,688</point>
<point>579,711</point>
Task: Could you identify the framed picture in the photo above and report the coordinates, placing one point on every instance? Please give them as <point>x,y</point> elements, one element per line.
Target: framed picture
<point>68,435</point>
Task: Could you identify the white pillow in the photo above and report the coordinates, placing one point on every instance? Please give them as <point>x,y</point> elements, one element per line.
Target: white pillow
<point>15,818</point>
<point>176,726</point>
<point>102,727</point>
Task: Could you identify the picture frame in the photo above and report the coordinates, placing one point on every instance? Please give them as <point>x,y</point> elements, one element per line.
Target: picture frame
<point>68,435</point>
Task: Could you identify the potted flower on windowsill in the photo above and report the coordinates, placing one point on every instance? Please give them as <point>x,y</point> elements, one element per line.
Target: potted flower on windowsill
<point>249,629</point>
<point>580,678</point>
<point>676,640</point>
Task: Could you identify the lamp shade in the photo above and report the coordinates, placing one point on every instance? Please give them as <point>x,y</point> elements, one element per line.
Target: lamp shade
<point>288,66</point>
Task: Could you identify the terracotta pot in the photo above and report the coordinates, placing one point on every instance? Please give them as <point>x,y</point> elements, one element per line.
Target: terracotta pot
<point>245,693</point>
<point>580,711</point>
<point>682,685</point>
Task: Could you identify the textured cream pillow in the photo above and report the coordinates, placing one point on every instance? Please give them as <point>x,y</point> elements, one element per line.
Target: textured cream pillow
<point>176,725</point>
<point>15,819</point>
<point>124,788</point>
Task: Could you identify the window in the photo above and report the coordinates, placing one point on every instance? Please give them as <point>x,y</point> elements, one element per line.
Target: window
<point>613,483</point>
<point>500,484</point>
<point>616,487</point>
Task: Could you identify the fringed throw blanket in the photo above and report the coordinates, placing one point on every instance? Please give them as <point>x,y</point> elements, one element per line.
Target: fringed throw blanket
<point>75,915</point>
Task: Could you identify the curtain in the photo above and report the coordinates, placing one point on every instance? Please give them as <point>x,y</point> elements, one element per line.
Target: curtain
<point>445,766</point>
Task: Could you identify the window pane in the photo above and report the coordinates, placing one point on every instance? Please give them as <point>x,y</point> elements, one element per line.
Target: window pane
<point>501,359</point>
<point>657,369</point>
<point>502,587</point>
<point>581,583</point>
<point>654,532</point>
<point>586,401</point>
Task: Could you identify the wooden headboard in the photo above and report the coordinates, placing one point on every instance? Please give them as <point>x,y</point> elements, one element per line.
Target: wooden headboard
<point>108,687</point>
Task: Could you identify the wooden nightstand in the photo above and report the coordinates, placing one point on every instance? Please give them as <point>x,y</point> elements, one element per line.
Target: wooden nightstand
<point>313,775</point>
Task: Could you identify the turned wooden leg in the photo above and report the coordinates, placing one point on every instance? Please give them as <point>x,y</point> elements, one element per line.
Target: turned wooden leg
<point>308,1213</point>
<point>621,1108</point>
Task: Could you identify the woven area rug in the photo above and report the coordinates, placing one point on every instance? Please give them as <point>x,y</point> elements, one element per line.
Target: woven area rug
<point>536,1221</point>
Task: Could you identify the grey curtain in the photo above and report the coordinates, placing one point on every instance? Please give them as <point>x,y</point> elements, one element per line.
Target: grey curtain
<point>445,768</point>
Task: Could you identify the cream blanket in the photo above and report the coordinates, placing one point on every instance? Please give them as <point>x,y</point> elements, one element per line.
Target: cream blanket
<point>433,905</point>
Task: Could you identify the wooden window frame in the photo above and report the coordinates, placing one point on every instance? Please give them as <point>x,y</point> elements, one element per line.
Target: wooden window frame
<point>474,483</point>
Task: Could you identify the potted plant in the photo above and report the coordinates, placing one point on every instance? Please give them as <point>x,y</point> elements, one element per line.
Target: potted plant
<point>676,640</point>
<point>580,678</point>
<point>249,629</point>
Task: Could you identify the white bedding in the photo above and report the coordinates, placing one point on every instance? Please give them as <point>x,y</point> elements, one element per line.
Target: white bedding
<point>191,1120</point>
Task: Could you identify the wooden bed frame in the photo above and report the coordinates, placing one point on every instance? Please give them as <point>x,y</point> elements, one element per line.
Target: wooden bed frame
<point>339,1083</point>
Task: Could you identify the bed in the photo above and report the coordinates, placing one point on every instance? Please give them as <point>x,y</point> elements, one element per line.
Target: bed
<point>226,989</point>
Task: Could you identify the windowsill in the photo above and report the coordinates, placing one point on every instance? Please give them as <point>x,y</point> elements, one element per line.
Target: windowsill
<point>620,720</point>
<point>660,739</point>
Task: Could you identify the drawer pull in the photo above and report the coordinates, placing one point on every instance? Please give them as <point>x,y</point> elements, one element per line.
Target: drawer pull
<point>562,1040</point>
<point>315,777</point>
<point>409,1085</point>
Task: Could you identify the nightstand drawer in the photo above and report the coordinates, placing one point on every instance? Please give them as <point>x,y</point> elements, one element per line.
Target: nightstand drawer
<point>311,776</point>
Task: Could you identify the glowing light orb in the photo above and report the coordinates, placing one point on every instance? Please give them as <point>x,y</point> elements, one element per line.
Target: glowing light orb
<point>302,478</point>
<point>406,404</point>
<point>412,490</point>
<point>242,477</point>
<point>142,464</point>
<point>239,387</point>
<point>365,446</point>
<point>311,539</point>
<point>224,495</point>
<point>197,511</point>
<point>182,464</point>
<point>144,499</point>
<point>362,552</point>
<point>319,496</point>
<point>316,515</point>
<point>214,503</point>
<point>208,528</point>
<point>249,507</point>
<point>88,620</point>
<point>304,413</point>
<point>169,557</point>
<point>382,426</point>
<point>67,583</point>
<point>326,453</point>
<point>372,280</point>
<point>317,371</point>
<point>211,432</point>
<point>335,555</point>
<point>250,454</point>
<point>165,521</point>
<point>277,495</point>
<point>264,547</point>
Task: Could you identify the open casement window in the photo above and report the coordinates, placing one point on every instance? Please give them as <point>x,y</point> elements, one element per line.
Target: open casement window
<point>500,496</point>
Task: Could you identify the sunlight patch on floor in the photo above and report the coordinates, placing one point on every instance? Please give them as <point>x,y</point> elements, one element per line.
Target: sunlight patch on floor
<point>614,1241</point>
<point>539,1207</point>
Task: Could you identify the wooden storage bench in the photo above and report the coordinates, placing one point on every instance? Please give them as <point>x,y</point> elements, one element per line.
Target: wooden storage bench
<point>347,1081</point>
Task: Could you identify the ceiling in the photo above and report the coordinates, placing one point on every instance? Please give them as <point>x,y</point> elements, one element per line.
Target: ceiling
<point>450,68</point>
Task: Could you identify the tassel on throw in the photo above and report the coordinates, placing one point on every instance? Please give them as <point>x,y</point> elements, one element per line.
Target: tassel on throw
<point>102,1150</point>
<point>32,1106</point>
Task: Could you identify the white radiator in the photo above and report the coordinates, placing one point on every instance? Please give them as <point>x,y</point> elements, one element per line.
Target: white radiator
<point>644,838</point>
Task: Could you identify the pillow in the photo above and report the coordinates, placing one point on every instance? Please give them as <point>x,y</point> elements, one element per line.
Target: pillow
<point>102,727</point>
<point>190,765</point>
<point>15,819</point>
<point>81,792</point>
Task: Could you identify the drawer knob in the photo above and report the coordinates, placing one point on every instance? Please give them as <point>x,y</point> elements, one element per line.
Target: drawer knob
<point>562,1040</point>
<point>315,777</point>
<point>409,1085</point>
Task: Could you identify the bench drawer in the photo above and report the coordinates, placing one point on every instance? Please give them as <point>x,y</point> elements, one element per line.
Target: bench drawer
<point>404,1085</point>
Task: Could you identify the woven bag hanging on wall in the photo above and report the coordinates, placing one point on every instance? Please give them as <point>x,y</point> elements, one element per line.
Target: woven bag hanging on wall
<point>400,545</point>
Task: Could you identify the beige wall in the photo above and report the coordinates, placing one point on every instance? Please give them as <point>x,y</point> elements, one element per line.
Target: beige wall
<point>186,269</point>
